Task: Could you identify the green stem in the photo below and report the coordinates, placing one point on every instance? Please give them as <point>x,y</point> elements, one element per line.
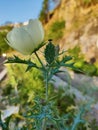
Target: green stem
<point>44,124</point>
<point>39,59</point>
<point>46,85</point>
<point>46,76</point>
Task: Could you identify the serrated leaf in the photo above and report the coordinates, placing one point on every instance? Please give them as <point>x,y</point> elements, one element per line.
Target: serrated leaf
<point>40,45</point>
<point>68,65</point>
<point>16,59</point>
<point>50,53</point>
<point>29,67</point>
<point>66,59</point>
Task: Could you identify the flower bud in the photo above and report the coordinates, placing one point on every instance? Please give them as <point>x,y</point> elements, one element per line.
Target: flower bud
<point>27,38</point>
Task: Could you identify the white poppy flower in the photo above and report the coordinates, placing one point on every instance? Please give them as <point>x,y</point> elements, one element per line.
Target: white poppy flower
<point>27,38</point>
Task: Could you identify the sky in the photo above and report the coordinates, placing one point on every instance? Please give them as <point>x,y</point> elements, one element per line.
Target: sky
<point>19,10</point>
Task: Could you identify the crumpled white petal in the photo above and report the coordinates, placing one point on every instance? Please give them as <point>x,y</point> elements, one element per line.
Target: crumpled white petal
<point>40,33</point>
<point>9,111</point>
<point>27,38</point>
<point>20,40</point>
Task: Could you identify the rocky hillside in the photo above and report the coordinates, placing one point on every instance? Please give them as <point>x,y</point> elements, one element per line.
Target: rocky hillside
<point>81,26</point>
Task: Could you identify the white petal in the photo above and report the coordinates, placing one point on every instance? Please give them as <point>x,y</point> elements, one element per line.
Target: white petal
<point>36,31</point>
<point>20,40</point>
<point>8,112</point>
<point>27,38</point>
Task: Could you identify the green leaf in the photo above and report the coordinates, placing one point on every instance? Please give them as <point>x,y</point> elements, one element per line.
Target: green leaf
<point>66,59</point>
<point>16,59</point>
<point>7,121</point>
<point>40,45</point>
<point>50,53</point>
<point>30,66</point>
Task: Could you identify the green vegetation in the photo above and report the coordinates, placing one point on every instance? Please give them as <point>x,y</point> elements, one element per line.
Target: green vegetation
<point>3,46</point>
<point>27,85</point>
<point>44,13</point>
<point>28,91</point>
<point>56,30</point>
<point>89,2</point>
<point>3,32</point>
<point>63,105</point>
<point>42,107</point>
<point>88,68</point>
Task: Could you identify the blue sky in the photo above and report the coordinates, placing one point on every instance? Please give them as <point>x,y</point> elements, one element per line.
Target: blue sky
<point>19,10</point>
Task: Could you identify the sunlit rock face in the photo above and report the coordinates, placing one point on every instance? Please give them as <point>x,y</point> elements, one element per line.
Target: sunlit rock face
<point>81,25</point>
<point>70,11</point>
<point>86,36</point>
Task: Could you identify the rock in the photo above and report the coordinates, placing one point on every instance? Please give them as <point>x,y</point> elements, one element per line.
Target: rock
<point>81,26</point>
<point>79,83</point>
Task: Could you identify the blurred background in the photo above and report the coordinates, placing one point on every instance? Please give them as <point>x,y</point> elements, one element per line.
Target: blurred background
<point>73,24</point>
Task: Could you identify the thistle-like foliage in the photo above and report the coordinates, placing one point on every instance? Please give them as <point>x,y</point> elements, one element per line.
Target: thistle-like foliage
<point>50,53</point>
<point>45,114</point>
<point>16,59</point>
